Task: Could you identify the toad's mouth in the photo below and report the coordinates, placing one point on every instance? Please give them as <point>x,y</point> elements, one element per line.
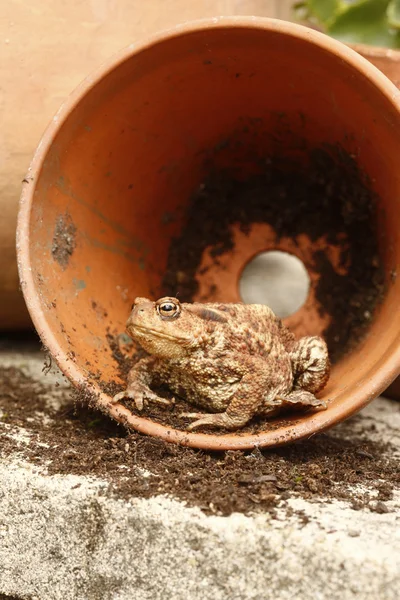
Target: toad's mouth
<point>156,333</point>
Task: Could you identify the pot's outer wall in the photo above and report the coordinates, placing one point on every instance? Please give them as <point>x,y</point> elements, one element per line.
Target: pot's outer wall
<point>388,61</point>
<point>127,151</point>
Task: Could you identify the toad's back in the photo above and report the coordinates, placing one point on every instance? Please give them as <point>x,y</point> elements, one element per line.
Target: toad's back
<point>255,326</point>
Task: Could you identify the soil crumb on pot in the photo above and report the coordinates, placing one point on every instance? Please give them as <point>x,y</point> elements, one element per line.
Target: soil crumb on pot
<point>342,465</point>
<point>64,240</point>
<point>327,198</point>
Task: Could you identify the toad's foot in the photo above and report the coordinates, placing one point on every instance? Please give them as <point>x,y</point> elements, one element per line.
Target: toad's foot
<point>213,420</point>
<point>301,398</point>
<point>140,396</point>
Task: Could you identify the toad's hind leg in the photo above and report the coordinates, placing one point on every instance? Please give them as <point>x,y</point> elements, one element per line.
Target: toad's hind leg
<point>238,413</point>
<point>310,364</point>
<point>258,388</point>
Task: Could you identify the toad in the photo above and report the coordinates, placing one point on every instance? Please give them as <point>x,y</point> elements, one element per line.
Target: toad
<point>233,360</point>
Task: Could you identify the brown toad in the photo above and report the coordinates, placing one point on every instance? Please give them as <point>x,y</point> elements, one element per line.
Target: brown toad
<point>235,360</point>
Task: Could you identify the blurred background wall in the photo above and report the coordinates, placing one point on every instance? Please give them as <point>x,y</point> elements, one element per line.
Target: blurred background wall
<point>47,48</point>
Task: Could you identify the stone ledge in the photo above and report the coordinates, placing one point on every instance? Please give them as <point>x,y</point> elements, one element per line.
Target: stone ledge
<point>68,537</point>
<point>62,537</point>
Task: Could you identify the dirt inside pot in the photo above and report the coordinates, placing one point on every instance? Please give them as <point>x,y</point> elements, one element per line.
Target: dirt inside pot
<point>341,465</point>
<point>328,198</point>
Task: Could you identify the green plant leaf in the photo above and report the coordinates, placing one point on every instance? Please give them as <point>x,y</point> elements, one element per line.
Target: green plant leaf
<point>365,22</point>
<point>324,10</point>
<point>393,14</point>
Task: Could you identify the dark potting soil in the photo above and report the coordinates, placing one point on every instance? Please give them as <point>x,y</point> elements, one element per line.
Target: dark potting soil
<point>329,197</point>
<point>81,441</point>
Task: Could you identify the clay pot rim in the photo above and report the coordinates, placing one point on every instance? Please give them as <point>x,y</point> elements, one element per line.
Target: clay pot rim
<point>308,426</point>
<point>376,51</point>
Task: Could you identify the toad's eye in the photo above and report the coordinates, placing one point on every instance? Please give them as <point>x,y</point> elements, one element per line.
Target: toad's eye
<point>168,310</point>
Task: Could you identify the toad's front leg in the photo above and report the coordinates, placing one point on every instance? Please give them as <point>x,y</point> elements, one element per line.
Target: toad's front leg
<point>138,389</point>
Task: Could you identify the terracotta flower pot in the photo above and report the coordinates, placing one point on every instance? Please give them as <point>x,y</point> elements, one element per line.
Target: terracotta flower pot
<point>386,59</point>
<point>110,182</point>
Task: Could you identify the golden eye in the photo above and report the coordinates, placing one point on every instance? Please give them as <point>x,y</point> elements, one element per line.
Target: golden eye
<point>168,309</point>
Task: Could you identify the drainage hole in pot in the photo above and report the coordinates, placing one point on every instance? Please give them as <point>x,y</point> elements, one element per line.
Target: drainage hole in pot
<point>275,278</point>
